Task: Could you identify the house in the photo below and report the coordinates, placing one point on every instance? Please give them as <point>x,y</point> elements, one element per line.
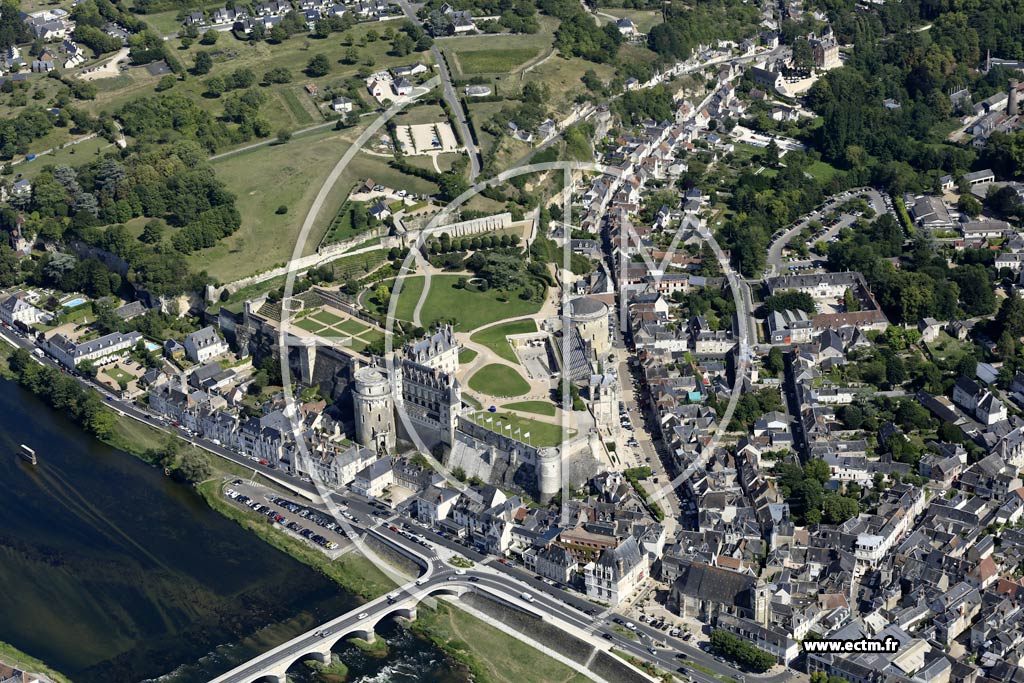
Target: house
<point>616,573</point>
<point>14,309</point>
<point>434,504</point>
<point>196,18</point>
<point>21,188</point>
<point>626,27</point>
<point>374,478</point>
<point>789,327</point>
<point>981,402</point>
<point>929,329</point>
<point>380,211</point>
<point>556,563</point>
<point>632,83</point>
<point>402,87</point>
<point>312,89</point>
<point>379,87</point>
<point>341,104</point>
<point>70,353</point>
<point>204,344</point>
<point>44,62</point>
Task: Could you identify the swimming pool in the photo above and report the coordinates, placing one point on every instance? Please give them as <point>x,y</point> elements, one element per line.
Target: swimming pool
<point>77,301</point>
<point>150,346</point>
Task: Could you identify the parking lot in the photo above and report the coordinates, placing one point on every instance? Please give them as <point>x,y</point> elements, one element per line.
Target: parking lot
<point>297,519</point>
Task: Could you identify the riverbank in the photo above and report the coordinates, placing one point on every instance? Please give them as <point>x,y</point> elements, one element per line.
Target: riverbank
<point>12,656</point>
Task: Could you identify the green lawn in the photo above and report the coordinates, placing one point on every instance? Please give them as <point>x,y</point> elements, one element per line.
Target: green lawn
<point>326,317</point>
<point>494,338</point>
<point>469,309</point>
<point>821,171</point>
<point>493,61</point>
<point>351,326</point>
<point>498,380</point>
<point>309,325</point>
<point>466,356</point>
<point>541,433</point>
<point>536,407</point>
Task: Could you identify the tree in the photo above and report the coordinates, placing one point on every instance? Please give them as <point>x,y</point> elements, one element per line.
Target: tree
<point>203,63</point>
<point>319,65</point>
<point>771,154</point>
<point>382,295</point>
<point>403,45</point>
<point>283,136</point>
<point>969,204</point>
<point>774,362</point>
<point>850,302</point>
<point>214,86</point>
<point>210,37</point>
<point>837,509</point>
<point>152,233</point>
<point>166,82</point>
<point>194,467</point>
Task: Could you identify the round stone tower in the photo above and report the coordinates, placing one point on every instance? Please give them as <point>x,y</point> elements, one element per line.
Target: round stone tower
<point>590,317</point>
<point>374,409</point>
<point>549,473</point>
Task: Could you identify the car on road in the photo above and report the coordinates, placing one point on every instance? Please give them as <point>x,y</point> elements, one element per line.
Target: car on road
<point>652,650</point>
<point>362,615</point>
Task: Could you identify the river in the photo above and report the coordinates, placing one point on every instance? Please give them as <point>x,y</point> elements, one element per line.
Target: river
<point>112,573</point>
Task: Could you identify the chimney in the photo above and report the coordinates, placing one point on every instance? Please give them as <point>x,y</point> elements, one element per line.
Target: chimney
<point>1012,96</point>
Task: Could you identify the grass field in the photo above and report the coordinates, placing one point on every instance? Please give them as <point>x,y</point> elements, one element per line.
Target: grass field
<point>536,407</point>
<point>466,356</point>
<point>493,61</point>
<point>494,338</point>
<point>467,308</point>
<point>511,52</point>
<point>73,155</point>
<point>288,175</point>
<point>263,179</point>
<point>541,433</point>
<point>498,380</point>
<point>488,653</point>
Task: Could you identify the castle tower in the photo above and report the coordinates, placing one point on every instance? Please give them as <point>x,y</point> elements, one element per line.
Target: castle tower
<point>549,473</point>
<point>374,410</point>
<point>1012,99</point>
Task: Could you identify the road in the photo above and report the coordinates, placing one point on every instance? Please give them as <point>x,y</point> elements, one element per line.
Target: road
<point>451,97</point>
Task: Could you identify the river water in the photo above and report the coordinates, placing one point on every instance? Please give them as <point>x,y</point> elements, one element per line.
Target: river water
<point>112,573</point>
